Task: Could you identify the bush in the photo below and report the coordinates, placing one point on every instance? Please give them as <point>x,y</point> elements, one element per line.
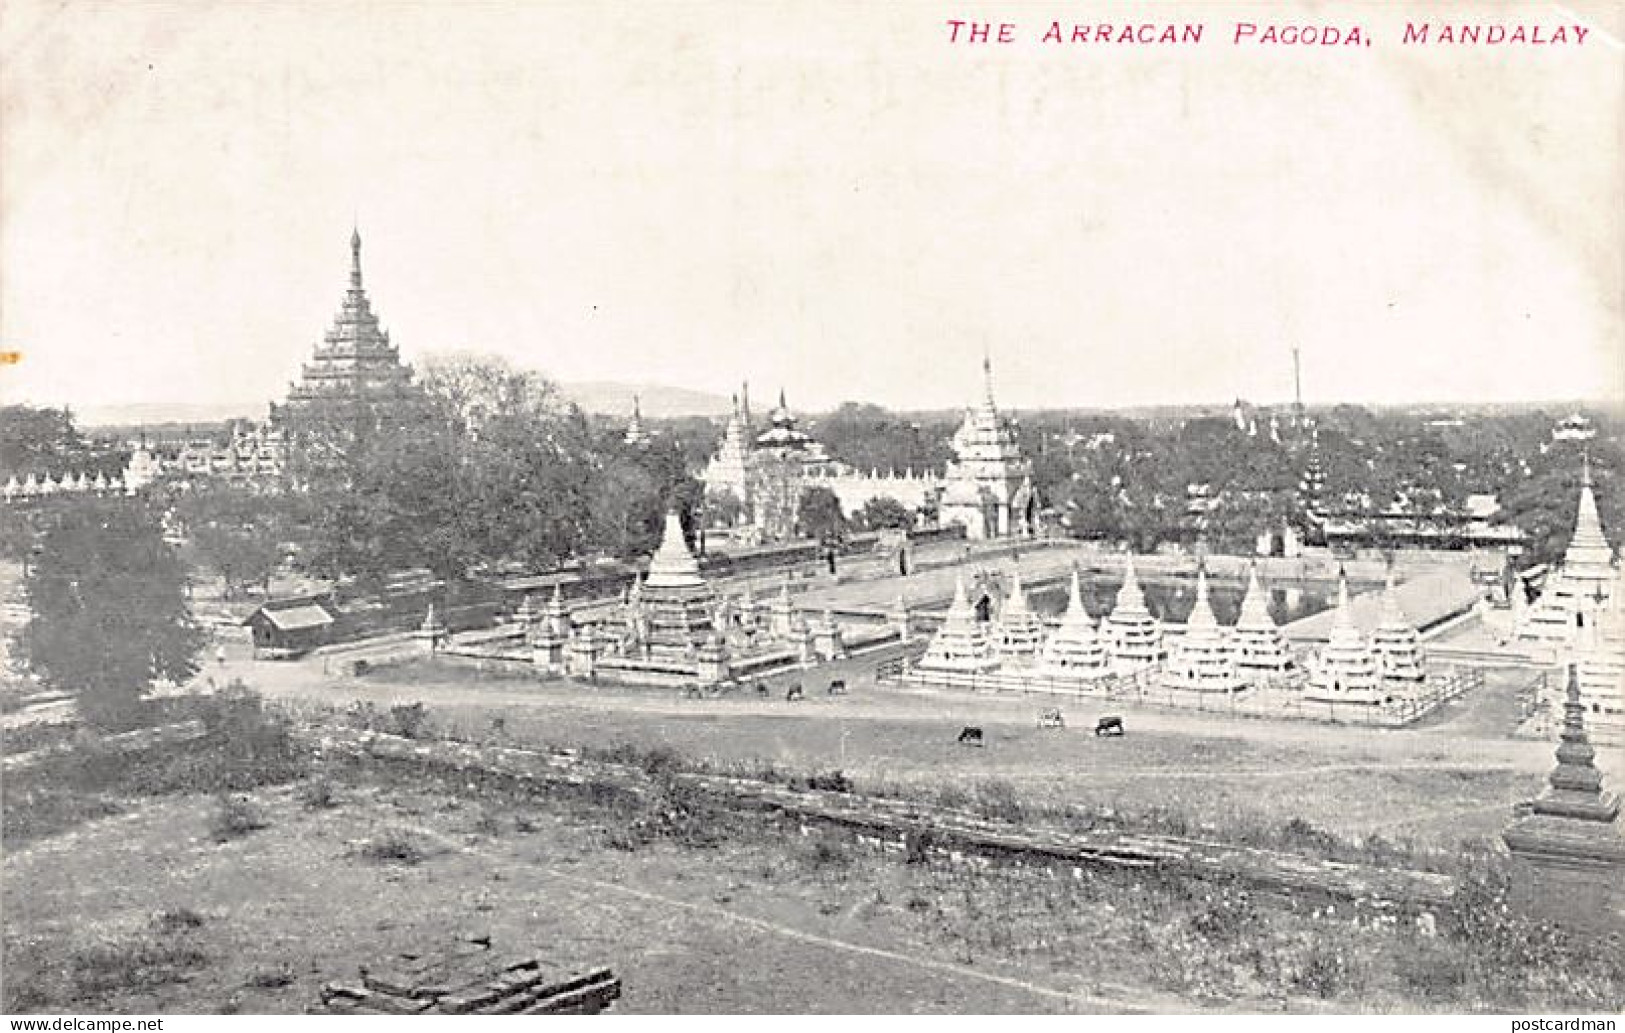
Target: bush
<point>318,795</point>
<point>997,799</point>
<point>395,846</point>
<point>831,781</point>
<point>235,816</point>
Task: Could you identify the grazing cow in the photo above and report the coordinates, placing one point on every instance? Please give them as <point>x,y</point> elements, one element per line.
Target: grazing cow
<point>692,692</point>
<point>1110,725</point>
<point>794,693</point>
<point>837,687</point>
<point>970,736</point>
<point>1050,717</point>
<point>761,689</point>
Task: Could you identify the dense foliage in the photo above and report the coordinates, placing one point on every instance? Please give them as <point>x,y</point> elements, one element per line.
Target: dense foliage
<point>109,611</point>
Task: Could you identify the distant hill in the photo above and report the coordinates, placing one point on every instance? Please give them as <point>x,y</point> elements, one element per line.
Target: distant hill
<point>657,401</point>
<point>143,414</point>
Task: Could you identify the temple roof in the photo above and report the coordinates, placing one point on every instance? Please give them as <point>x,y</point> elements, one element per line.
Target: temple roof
<point>672,565</point>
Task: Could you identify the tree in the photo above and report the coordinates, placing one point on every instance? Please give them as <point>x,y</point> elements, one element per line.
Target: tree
<point>884,512</point>
<point>819,516</point>
<point>108,599</point>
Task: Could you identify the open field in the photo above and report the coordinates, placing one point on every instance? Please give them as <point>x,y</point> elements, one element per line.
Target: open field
<point>712,912</point>
<point>1456,779</point>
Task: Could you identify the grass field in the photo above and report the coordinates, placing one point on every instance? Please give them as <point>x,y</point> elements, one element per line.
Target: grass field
<point>170,900</point>
<point>185,905</point>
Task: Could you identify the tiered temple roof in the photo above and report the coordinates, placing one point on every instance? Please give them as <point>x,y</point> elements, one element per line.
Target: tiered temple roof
<point>1204,658</point>
<point>355,375</point>
<point>1133,636</point>
<point>1394,642</point>
<point>1258,639</point>
<point>1019,632</point>
<point>1073,649</point>
<point>961,644</point>
<point>1344,670</point>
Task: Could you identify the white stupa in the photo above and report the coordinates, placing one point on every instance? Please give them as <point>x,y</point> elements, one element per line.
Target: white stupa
<point>961,644</point>
<point>1073,650</point>
<point>1394,642</point>
<point>1204,659</point>
<point>1019,632</point>
<point>1344,671</point>
<point>1260,646</point>
<point>1133,637</point>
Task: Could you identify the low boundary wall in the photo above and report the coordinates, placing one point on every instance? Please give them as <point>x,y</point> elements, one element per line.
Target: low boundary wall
<point>918,830</point>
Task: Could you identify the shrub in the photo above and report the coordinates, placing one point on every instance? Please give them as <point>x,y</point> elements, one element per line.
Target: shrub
<point>408,720</point>
<point>830,781</point>
<point>997,799</point>
<point>235,816</point>
<point>395,846</point>
<point>174,919</point>
<point>318,795</point>
<point>137,963</point>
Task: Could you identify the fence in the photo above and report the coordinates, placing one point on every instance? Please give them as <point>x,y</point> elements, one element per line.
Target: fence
<point>1276,696</point>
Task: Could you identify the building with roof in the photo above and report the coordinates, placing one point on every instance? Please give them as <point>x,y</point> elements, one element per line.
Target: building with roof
<point>286,628</point>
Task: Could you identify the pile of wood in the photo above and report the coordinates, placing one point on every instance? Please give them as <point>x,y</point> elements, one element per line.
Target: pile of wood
<point>469,978</point>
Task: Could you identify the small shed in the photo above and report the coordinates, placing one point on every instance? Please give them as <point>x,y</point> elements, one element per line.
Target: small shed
<point>288,628</point>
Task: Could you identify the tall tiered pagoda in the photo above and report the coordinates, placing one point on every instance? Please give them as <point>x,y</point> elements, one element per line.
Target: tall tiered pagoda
<point>1586,575</point>
<point>1133,637</point>
<point>1204,659</point>
<point>675,602</point>
<point>1073,650</point>
<point>988,487</point>
<point>1344,671</point>
<point>1394,641</point>
<point>355,380</point>
<point>1019,632</point>
<point>961,644</point>
<point>1260,646</point>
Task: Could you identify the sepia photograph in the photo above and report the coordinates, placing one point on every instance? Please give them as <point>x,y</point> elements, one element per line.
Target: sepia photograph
<point>811,507</point>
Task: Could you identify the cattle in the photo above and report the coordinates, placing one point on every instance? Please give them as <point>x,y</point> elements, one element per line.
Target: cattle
<point>761,689</point>
<point>692,692</point>
<point>1050,717</point>
<point>794,693</point>
<point>837,687</point>
<point>1109,725</point>
<point>970,736</point>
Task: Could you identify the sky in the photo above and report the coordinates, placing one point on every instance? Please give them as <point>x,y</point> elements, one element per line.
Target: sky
<point>826,196</point>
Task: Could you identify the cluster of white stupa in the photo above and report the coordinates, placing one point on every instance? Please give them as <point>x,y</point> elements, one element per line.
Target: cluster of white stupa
<point>1353,667</point>
<point>141,471</point>
<point>1129,639</point>
<point>32,487</point>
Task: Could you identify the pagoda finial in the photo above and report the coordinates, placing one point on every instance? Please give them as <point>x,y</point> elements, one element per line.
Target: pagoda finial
<point>355,257</point>
<point>987,376</point>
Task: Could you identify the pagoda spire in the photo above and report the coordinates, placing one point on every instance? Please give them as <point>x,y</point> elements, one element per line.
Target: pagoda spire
<point>1202,611</point>
<point>355,257</point>
<point>987,378</point>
